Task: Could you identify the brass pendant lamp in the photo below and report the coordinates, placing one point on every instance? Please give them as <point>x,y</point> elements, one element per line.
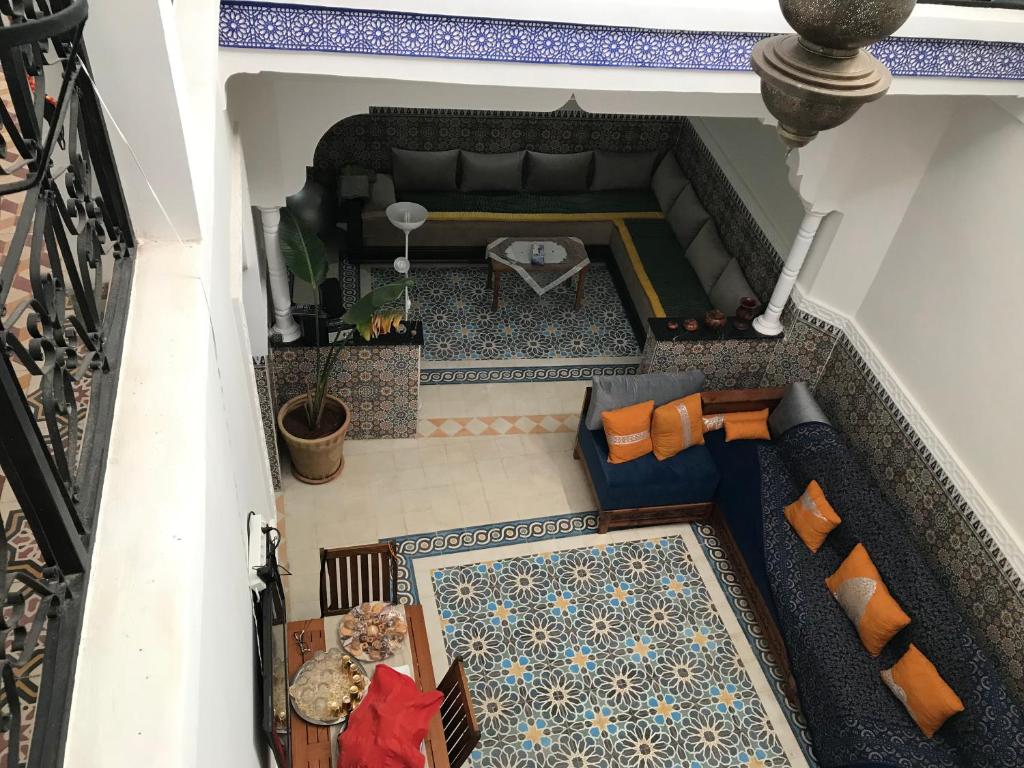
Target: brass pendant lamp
<point>819,77</point>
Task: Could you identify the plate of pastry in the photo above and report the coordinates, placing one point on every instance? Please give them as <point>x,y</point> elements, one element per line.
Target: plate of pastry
<point>372,631</point>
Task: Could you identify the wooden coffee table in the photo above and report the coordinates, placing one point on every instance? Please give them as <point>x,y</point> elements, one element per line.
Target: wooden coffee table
<point>576,263</point>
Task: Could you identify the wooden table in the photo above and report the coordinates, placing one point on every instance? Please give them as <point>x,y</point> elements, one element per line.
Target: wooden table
<point>576,255</point>
<point>315,746</point>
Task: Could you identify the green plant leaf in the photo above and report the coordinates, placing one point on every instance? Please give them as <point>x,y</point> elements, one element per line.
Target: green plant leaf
<point>303,251</point>
<point>360,313</point>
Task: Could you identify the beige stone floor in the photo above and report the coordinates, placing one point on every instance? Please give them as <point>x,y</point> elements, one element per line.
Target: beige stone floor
<point>419,485</point>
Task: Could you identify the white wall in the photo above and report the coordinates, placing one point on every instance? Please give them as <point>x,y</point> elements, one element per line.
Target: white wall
<point>868,170</point>
<point>753,158</point>
<point>944,309</point>
<point>166,666</point>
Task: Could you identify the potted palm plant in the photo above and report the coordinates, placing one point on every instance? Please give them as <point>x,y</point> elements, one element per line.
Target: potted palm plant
<point>314,424</point>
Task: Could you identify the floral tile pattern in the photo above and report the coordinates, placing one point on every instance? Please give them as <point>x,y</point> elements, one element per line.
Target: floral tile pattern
<point>343,30</point>
<point>456,303</point>
<point>602,655</point>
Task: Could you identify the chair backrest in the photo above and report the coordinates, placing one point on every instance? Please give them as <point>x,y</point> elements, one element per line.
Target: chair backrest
<point>458,721</point>
<point>353,575</point>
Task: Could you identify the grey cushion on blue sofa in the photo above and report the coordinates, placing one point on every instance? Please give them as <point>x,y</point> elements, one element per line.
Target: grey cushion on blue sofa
<point>730,287</point>
<point>492,171</point>
<point>668,181</point>
<point>382,192</point>
<point>558,173</point>
<point>416,171</point>
<point>707,256</point>
<point>686,217</point>
<point>797,406</point>
<point>622,170</point>
<point>610,392</point>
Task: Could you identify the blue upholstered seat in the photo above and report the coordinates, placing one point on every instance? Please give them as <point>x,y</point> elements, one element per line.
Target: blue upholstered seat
<point>687,478</point>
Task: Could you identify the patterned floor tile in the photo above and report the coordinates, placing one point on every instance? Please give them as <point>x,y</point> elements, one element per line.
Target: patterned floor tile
<point>499,425</point>
<point>456,305</point>
<point>612,655</point>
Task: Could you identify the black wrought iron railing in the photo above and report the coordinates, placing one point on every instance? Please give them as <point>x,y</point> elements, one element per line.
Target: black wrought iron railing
<point>66,259</point>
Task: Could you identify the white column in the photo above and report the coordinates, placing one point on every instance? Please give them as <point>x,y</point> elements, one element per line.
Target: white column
<point>277,274</point>
<point>769,324</point>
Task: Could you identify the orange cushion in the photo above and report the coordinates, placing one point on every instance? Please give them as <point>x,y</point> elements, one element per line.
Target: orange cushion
<point>859,588</point>
<point>747,425</point>
<point>677,426</point>
<point>917,683</point>
<point>812,517</point>
<point>628,431</point>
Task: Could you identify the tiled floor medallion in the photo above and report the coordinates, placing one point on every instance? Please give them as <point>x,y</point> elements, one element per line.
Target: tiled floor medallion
<point>475,426</point>
<point>455,304</point>
<point>616,653</point>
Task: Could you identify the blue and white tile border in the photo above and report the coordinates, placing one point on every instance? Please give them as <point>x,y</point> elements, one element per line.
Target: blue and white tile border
<point>525,373</point>
<point>416,546</point>
<point>273,26</point>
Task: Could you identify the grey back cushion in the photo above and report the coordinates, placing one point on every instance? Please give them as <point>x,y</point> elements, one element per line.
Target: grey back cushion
<point>558,173</point>
<point>382,192</point>
<point>416,171</point>
<point>687,216</point>
<point>708,256</point>
<point>730,287</point>
<point>611,392</point>
<point>492,172</point>
<point>798,406</point>
<point>622,170</point>
<point>668,181</point>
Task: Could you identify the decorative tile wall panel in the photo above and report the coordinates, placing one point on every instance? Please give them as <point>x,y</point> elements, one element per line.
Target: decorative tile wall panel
<point>265,389</point>
<point>276,26</point>
<point>380,384</point>
<point>366,140</point>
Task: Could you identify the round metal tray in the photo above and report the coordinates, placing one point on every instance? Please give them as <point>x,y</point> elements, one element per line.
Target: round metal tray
<point>321,680</point>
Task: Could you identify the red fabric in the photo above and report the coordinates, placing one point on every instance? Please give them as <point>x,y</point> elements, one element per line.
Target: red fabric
<point>386,730</point>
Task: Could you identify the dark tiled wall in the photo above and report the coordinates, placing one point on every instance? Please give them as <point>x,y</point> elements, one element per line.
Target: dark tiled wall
<point>265,390</point>
<point>366,140</point>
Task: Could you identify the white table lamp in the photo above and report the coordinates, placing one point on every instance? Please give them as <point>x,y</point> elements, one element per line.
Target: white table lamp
<point>407,217</point>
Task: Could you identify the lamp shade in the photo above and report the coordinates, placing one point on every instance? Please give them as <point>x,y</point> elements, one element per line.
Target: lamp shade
<point>406,216</point>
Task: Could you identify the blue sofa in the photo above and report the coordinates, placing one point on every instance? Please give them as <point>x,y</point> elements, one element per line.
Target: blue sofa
<point>677,490</point>
<point>854,720</point>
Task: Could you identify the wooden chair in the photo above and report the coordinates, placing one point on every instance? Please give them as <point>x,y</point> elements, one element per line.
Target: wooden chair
<point>353,575</point>
<point>458,721</point>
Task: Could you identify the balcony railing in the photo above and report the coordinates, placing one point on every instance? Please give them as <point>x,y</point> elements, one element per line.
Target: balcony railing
<point>66,259</point>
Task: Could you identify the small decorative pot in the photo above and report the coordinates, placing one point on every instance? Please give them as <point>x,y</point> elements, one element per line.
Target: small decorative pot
<point>691,324</point>
<point>315,460</point>
<point>714,319</point>
<point>747,309</point>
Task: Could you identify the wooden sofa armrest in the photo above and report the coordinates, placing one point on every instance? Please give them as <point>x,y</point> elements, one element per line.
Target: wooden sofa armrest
<point>732,400</point>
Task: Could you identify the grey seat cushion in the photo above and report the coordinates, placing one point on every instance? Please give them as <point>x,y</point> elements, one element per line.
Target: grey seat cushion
<point>492,172</point>
<point>798,406</point>
<point>622,170</point>
<point>668,181</point>
<point>416,171</point>
<point>730,287</point>
<point>708,256</point>
<point>558,173</point>
<point>687,216</point>
<point>611,392</point>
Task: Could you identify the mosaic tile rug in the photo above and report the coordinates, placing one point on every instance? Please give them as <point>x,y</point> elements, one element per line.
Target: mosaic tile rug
<point>624,650</point>
<point>455,303</point>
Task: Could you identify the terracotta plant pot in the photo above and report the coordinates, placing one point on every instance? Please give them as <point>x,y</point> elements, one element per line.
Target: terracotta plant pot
<point>315,460</point>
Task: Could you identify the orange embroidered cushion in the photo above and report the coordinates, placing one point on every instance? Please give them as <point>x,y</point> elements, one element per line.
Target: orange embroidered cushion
<point>747,425</point>
<point>918,685</point>
<point>676,426</point>
<point>859,588</point>
<point>628,431</point>
<point>812,517</point>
